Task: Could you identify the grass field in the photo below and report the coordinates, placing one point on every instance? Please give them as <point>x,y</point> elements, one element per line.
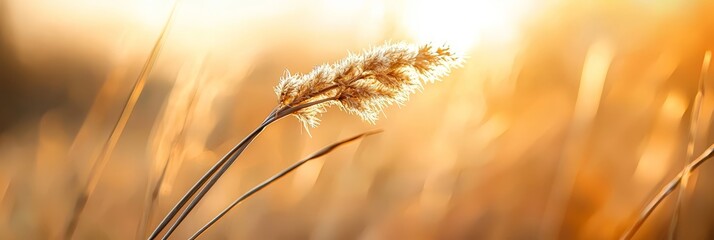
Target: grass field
<point>563,119</point>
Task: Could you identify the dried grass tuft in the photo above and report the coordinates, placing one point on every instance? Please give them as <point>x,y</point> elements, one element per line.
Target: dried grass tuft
<point>365,84</point>
<point>360,84</point>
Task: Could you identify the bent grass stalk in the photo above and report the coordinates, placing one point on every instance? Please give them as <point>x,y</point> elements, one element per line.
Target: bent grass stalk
<point>279,175</point>
<point>362,84</point>
<point>693,131</point>
<point>99,164</point>
<point>224,164</point>
<point>666,190</point>
<point>177,145</point>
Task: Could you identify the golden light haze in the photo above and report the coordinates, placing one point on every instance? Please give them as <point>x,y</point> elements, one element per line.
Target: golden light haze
<point>564,120</point>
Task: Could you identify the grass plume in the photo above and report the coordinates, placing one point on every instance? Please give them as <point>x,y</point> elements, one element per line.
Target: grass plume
<point>361,84</point>
<point>365,84</point>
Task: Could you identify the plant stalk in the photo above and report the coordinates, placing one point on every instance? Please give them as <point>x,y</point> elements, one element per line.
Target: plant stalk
<point>277,176</point>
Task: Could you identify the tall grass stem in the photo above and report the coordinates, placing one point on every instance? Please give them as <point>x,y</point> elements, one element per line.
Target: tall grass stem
<point>99,164</point>
<point>279,175</point>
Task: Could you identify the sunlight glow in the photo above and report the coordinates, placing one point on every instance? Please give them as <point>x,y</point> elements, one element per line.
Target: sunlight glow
<point>464,24</point>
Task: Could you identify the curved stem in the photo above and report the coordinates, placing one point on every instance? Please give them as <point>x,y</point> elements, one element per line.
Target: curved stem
<point>291,110</point>
<point>669,188</point>
<point>169,216</point>
<point>212,181</point>
<point>277,176</point>
<point>220,168</point>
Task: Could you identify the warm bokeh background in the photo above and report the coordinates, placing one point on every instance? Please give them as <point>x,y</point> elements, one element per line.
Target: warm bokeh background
<point>565,119</point>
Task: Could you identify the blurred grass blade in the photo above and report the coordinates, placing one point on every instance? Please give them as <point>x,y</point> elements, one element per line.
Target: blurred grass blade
<point>98,165</point>
<point>669,188</point>
<point>596,67</point>
<point>281,174</point>
<point>693,130</point>
<point>153,190</point>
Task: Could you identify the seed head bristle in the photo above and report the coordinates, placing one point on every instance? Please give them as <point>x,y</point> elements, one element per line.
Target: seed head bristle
<point>366,83</point>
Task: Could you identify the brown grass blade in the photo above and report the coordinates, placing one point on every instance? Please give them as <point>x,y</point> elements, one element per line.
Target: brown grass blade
<point>100,163</point>
<point>279,175</point>
<point>153,191</point>
<point>215,173</point>
<point>669,188</point>
<point>693,130</point>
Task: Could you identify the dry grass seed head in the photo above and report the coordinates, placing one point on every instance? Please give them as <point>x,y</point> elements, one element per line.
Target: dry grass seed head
<point>365,84</point>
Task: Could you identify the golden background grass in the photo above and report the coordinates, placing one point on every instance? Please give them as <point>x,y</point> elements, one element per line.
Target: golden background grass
<point>565,119</point>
